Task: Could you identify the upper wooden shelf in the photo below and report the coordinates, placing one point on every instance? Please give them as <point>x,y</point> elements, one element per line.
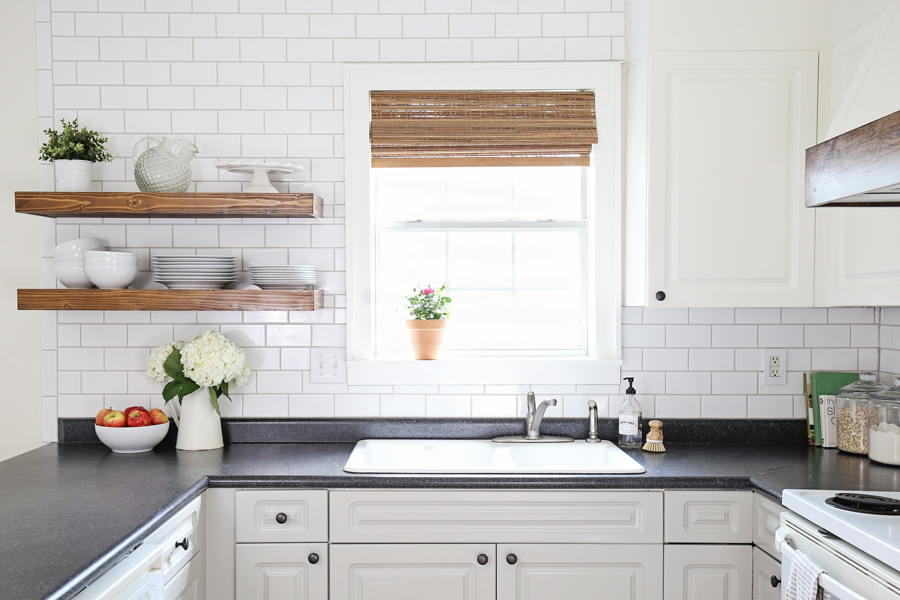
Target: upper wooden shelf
<point>139,204</point>
<point>171,299</point>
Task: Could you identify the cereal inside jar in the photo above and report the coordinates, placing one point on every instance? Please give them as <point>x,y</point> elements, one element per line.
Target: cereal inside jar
<point>853,413</point>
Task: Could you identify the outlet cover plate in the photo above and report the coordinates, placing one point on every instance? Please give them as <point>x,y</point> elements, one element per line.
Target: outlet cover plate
<point>768,355</point>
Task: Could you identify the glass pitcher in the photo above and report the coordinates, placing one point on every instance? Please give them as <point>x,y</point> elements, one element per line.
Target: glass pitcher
<point>164,168</point>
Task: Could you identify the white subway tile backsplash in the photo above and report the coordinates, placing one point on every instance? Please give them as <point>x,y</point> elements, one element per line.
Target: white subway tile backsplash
<point>688,336</point>
<point>448,406</point>
<point>827,336</point>
<point>309,405</point>
<point>723,407</point>
<point>780,336</point>
<point>405,405</point>
<point>678,407</point>
<point>289,335</point>
<point>356,405</point>
<point>606,24</point>
<point>834,359</point>
<point>851,315</point>
<point>665,359</point>
<point>688,382</point>
<point>757,315</point>
<point>804,315</point>
<point>538,49</point>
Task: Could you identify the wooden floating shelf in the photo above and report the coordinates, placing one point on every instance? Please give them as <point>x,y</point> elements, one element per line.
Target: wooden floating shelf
<point>171,299</point>
<point>138,204</point>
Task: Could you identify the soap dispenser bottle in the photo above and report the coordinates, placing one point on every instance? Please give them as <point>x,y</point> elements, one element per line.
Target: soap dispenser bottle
<point>630,431</point>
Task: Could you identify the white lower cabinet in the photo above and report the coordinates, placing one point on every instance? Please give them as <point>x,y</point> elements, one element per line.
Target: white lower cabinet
<point>413,571</point>
<point>579,571</point>
<point>190,582</point>
<point>764,569</point>
<point>281,571</point>
<point>710,572</point>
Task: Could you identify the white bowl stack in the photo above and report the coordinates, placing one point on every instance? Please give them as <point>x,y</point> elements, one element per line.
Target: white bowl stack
<point>194,272</point>
<point>283,277</point>
<point>68,262</point>
<point>111,270</point>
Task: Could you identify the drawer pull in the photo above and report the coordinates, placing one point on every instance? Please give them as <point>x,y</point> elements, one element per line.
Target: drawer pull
<point>313,558</point>
<point>482,559</point>
<point>512,559</point>
<point>183,544</point>
<point>281,518</point>
<point>774,581</point>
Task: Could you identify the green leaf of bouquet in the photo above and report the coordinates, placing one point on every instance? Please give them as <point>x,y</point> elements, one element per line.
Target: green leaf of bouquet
<point>171,390</point>
<point>223,389</point>
<point>188,387</point>
<point>214,400</point>
<point>173,366</point>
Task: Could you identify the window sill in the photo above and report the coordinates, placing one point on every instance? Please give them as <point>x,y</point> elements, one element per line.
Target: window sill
<point>484,371</point>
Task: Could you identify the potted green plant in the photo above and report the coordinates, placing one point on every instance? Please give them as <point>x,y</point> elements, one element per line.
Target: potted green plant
<point>74,152</point>
<point>428,309</point>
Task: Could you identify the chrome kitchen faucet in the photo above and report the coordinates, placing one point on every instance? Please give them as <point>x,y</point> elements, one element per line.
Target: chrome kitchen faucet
<point>533,418</point>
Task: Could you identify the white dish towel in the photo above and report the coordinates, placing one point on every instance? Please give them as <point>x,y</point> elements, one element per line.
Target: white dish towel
<point>803,579</point>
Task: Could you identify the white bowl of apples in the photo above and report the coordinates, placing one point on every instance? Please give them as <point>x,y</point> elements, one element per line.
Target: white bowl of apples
<point>134,430</point>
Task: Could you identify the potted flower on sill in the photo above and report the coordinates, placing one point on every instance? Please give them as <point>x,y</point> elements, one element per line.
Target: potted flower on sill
<point>209,360</point>
<point>74,152</point>
<point>428,309</point>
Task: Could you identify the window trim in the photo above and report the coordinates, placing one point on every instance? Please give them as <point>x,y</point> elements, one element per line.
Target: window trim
<point>604,214</point>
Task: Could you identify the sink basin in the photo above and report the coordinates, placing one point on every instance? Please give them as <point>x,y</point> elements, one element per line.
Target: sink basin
<point>484,456</point>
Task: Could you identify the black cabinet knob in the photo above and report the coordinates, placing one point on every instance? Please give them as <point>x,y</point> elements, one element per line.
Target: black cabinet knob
<point>482,559</point>
<point>774,581</point>
<point>313,558</point>
<point>182,544</point>
<point>512,559</point>
<point>660,295</point>
<point>281,518</point>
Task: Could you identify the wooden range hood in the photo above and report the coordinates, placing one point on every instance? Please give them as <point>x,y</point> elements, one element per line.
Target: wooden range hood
<point>857,168</point>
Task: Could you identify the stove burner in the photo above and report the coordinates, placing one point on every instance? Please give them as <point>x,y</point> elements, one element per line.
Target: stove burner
<point>865,503</point>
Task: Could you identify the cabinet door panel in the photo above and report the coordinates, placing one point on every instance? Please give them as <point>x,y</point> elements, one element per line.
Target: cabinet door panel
<point>413,572</point>
<point>579,572</point>
<point>190,582</point>
<point>764,566</point>
<point>708,572</point>
<point>281,572</point>
<point>727,139</point>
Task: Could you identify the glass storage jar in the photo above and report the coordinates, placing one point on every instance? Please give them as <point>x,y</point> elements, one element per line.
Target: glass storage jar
<point>884,425</point>
<point>853,413</point>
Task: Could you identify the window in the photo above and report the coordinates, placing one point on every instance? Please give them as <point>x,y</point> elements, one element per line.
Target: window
<point>531,253</point>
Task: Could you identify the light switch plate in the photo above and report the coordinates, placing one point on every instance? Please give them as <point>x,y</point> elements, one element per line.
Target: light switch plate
<point>328,365</point>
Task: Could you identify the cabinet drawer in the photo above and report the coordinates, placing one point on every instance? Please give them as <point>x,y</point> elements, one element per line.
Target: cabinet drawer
<point>766,517</point>
<point>694,572</point>
<point>281,516</point>
<point>709,517</point>
<point>182,529</point>
<point>451,516</point>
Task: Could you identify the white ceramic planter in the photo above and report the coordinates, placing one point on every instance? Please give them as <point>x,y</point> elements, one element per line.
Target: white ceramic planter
<point>200,427</point>
<point>73,175</point>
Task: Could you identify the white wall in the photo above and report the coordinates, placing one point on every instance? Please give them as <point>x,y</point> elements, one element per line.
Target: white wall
<point>20,355</point>
<point>263,79</point>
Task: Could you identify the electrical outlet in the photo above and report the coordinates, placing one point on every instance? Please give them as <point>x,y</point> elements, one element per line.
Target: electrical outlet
<point>775,367</point>
<point>328,365</point>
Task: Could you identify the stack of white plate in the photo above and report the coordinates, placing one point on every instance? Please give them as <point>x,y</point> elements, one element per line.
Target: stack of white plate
<point>283,277</point>
<point>194,272</point>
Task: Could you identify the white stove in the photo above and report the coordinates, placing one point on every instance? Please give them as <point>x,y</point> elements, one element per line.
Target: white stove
<point>878,535</point>
<point>859,551</point>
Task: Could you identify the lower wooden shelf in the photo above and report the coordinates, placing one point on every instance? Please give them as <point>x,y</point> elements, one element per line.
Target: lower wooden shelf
<point>171,299</point>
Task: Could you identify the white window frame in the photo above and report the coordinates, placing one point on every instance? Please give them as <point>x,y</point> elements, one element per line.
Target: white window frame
<point>604,213</point>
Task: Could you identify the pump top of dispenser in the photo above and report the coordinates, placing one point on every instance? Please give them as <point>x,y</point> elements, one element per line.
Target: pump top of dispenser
<point>630,381</point>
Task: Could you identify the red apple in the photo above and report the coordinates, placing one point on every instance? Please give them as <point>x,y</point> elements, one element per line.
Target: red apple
<point>103,412</point>
<point>114,418</point>
<point>158,417</point>
<point>131,408</point>
<point>137,416</point>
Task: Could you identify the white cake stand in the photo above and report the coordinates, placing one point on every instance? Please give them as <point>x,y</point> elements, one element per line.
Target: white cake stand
<point>259,183</point>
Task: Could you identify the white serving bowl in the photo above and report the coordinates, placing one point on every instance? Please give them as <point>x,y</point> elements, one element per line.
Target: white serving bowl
<point>105,257</point>
<point>129,440</point>
<point>114,277</point>
<point>77,247</point>
<point>73,276</point>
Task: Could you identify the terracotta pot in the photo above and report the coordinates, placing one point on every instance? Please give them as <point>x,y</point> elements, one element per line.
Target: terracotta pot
<point>426,336</point>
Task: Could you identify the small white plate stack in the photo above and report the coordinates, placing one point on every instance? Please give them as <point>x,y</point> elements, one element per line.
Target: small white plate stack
<point>283,277</point>
<point>194,272</point>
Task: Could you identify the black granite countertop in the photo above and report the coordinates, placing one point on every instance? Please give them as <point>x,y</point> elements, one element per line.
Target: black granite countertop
<point>69,511</point>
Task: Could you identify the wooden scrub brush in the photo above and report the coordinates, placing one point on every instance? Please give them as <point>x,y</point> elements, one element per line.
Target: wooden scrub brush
<point>655,438</point>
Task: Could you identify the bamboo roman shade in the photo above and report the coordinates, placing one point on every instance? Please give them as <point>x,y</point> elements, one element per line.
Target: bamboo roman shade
<point>482,128</point>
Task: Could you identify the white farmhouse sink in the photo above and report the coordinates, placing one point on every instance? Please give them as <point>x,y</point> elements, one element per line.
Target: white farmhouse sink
<point>485,456</point>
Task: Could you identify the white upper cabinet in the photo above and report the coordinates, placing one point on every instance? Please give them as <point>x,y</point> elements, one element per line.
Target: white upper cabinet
<point>858,249</point>
<point>715,213</point>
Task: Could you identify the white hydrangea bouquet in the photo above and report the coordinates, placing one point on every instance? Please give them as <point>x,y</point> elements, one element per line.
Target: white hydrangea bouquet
<point>208,360</point>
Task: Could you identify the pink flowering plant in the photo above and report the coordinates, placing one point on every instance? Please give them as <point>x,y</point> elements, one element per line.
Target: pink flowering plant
<point>428,303</point>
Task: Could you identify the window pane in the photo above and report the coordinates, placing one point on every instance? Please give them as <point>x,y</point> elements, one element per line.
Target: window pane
<point>549,259</point>
<point>478,193</point>
<point>480,259</point>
